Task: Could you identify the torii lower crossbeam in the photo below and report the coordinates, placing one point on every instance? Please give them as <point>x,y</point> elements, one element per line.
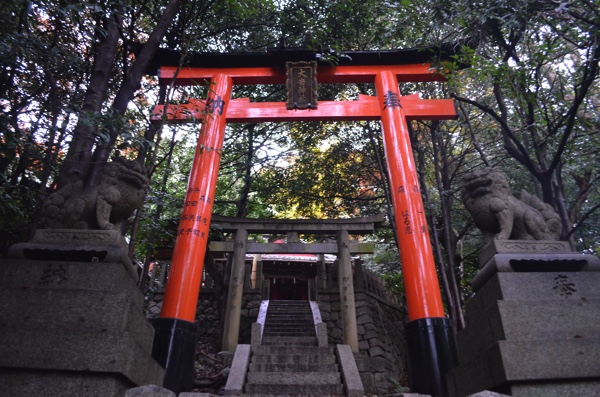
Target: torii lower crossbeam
<point>364,108</point>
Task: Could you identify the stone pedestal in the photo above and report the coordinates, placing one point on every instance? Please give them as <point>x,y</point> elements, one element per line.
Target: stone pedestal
<point>71,319</point>
<point>533,326</point>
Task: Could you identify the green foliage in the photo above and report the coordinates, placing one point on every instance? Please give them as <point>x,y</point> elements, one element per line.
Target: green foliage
<point>394,282</point>
<point>333,172</point>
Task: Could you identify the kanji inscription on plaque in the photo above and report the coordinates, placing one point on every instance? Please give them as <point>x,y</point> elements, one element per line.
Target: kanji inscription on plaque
<point>301,85</point>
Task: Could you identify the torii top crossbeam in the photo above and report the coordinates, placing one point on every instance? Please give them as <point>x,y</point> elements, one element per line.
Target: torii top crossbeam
<point>269,68</point>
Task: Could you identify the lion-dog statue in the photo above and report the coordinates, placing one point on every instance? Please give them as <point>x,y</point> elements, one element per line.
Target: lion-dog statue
<point>499,215</point>
<point>120,190</point>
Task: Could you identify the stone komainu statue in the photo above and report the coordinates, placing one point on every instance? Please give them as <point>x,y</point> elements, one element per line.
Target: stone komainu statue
<point>499,215</point>
<point>121,189</point>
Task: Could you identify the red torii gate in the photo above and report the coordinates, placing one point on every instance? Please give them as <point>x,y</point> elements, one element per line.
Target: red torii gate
<point>431,346</point>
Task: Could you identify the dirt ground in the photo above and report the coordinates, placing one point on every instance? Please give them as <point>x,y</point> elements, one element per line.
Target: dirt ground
<point>208,368</point>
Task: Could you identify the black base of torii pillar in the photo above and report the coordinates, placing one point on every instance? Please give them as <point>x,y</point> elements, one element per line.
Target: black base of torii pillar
<point>432,352</point>
<point>175,349</point>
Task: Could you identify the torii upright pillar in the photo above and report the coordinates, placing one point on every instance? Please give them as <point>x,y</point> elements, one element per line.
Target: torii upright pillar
<point>176,333</point>
<point>430,335</point>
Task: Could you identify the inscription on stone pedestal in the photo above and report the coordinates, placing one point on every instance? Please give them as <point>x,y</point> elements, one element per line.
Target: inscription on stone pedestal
<point>563,286</point>
<point>53,273</point>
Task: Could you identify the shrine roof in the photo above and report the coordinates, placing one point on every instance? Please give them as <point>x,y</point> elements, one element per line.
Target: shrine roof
<point>277,57</point>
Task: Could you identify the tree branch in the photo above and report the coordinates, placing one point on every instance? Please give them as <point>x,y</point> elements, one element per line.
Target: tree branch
<point>519,152</point>
<point>590,74</point>
<point>582,219</point>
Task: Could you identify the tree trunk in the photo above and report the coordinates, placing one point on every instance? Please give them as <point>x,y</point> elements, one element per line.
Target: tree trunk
<point>443,273</point>
<point>443,181</point>
<point>78,156</point>
<point>242,202</point>
<point>131,84</point>
<point>156,219</point>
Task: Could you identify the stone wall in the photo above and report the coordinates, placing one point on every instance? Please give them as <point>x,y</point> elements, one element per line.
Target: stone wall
<point>249,313</point>
<point>381,359</point>
<point>207,315</point>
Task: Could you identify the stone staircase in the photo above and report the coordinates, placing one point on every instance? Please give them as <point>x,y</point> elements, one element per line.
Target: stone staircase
<point>289,319</point>
<point>289,360</point>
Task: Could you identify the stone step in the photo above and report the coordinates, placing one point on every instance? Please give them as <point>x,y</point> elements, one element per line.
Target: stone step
<point>293,367</point>
<point>295,309</point>
<point>311,341</point>
<point>283,327</point>
<point>293,360</point>
<point>294,378</point>
<point>292,350</point>
<point>289,341</point>
<point>288,302</point>
<point>286,318</point>
<point>294,390</point>
<point>296,359</point>
<point>288,315</point>
<point>291,334</point>
<point>280,395</point>
<point>305,307</point>
<point>286,328</point>
<point>289,326</point>
<point>285,321</point>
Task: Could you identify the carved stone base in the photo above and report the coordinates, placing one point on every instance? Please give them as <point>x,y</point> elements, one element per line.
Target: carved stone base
<point>522,247</point>
<point>74,245</point>
<point>73,327</point>
<point>533,324</point>
<point>530,256</point>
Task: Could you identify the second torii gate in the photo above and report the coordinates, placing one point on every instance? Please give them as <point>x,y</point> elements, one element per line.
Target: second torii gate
<point>430,335</point>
